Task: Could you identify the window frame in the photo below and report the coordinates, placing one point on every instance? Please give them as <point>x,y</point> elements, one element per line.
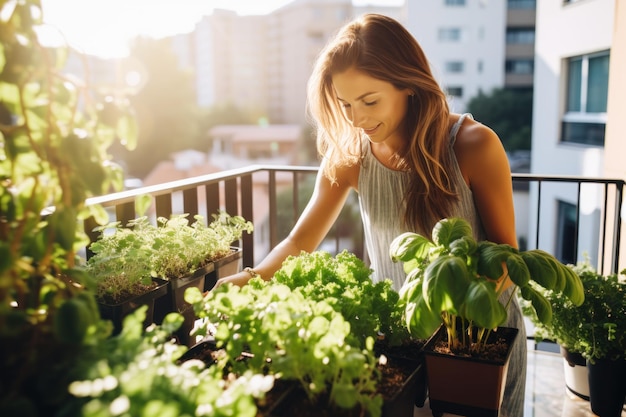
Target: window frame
<point>573,119</point>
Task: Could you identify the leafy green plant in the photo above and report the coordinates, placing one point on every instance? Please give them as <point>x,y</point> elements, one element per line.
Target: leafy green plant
<point>288,334</point>
<point>138,373</point>
<point>596,328</point>
<point>451,279</point>
<point>51,128</point>
<point>344,281</point>
<point>126,258</point>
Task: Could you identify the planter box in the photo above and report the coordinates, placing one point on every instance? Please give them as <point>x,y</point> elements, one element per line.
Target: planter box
<point>174,301</point>
<point>117,312</point>
<point>466,386</point>
<point>228,265</point>
<point>398,399</point>
<point>410,352</point>
<point>204,350</point>
<point>411,393</point>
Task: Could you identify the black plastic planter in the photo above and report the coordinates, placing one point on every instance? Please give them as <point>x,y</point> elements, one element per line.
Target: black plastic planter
<point>117,312</point>
<point>607,386</point>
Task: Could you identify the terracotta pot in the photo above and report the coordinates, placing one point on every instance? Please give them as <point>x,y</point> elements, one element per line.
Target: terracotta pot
<point>465,385</point>
<point>117,312</point>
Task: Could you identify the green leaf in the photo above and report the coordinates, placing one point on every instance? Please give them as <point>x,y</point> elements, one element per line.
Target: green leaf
<point>540,304</point>
<point>420,320</point>
<point>409,246</point>
<point>518,271</point>
<point>492,258</point>
<point>142,204</point>
<point>448,230</point>
<point>446,281</point>
<point>574,289</point>
<point>540,268</point>
<point>482,305</point>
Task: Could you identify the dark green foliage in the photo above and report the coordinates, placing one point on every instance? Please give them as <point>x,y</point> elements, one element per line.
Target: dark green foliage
<point>597,327</point>
<point>509,113</point>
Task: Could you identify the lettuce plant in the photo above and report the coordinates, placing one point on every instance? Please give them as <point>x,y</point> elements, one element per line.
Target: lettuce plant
<point>344,281</point>
<point>287,334</point>
<point>451,279</point>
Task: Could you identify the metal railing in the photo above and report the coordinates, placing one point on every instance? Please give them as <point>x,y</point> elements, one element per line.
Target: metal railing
<point>565,215</point>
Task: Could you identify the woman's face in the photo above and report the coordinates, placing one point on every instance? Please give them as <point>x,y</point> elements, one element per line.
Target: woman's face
<point>375,106</point>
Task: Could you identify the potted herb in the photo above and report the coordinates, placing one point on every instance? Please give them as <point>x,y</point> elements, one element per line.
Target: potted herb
<point>284,333</point>
<point>277,323</point>
<point>172,250</point>
<point>596,330</point>
<point>450,293</point>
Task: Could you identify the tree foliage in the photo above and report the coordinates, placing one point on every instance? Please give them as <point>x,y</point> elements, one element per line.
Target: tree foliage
<point>165,106</point>
<point>509,113</point>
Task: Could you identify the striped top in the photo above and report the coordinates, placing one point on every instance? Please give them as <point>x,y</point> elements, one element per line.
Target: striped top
<point>381,192</point>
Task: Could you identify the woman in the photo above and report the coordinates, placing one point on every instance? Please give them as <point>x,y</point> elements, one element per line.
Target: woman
<point>384,129</point>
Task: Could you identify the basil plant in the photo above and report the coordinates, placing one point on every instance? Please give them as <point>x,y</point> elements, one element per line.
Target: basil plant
<point>453,279</point>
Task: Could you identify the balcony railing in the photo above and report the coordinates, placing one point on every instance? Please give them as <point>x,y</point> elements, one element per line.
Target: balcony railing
<point>571,217</point>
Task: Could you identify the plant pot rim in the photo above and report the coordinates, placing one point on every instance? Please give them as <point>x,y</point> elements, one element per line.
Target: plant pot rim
<point>156,292</point>
<point>441,332</point>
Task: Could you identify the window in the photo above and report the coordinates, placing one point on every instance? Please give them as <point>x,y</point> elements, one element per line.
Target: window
<point>455,91</point>
<point>566,233</point>
<point>519,66</point>
<point>586,97</point>
<point>454,66</point>
<point>521,4</point>
<point>524,36</point>
<point>449,34</point>
<point>454,2</point>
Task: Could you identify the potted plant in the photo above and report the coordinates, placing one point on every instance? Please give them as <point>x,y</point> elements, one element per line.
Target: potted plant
<point>172,250</point>
<point>316,323</point>
<point>51,128</point>
<point>596,330</point>
<point>451,296</point>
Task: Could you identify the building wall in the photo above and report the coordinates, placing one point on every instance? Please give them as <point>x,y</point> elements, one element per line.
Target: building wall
<point>564,31</point>
<point>520,18</point>
<point>481,47</point>
<point>615,145</point>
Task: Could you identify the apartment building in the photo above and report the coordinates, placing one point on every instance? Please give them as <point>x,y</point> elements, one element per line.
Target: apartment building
<point>475,45</point>
<point>579,107</point>
<point>261,64</point>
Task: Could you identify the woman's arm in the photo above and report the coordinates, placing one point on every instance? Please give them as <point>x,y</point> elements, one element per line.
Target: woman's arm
<point>316,220</point>
<point>485,167</point>
<point>486,170</point>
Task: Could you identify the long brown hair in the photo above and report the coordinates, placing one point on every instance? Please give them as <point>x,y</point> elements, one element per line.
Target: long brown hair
<point>382,48</point>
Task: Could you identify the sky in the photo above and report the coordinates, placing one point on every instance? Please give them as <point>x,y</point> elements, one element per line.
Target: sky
<point>104,27</point>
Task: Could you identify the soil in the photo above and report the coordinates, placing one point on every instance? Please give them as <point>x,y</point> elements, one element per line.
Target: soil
<point>393,376</point>
<point>137,289</point>
<point>495,349</point>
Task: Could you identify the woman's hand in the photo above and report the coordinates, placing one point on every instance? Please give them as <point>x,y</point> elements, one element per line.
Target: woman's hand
<point>240,279</point>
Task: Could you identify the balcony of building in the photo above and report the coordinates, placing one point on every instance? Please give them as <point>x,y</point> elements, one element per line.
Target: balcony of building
<point>573,218</point>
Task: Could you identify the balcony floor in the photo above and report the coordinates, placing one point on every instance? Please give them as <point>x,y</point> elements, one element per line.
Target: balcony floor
<point>546,394</point>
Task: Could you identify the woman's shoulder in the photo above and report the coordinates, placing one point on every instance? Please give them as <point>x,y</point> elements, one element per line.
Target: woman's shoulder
<point>473,136</point>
